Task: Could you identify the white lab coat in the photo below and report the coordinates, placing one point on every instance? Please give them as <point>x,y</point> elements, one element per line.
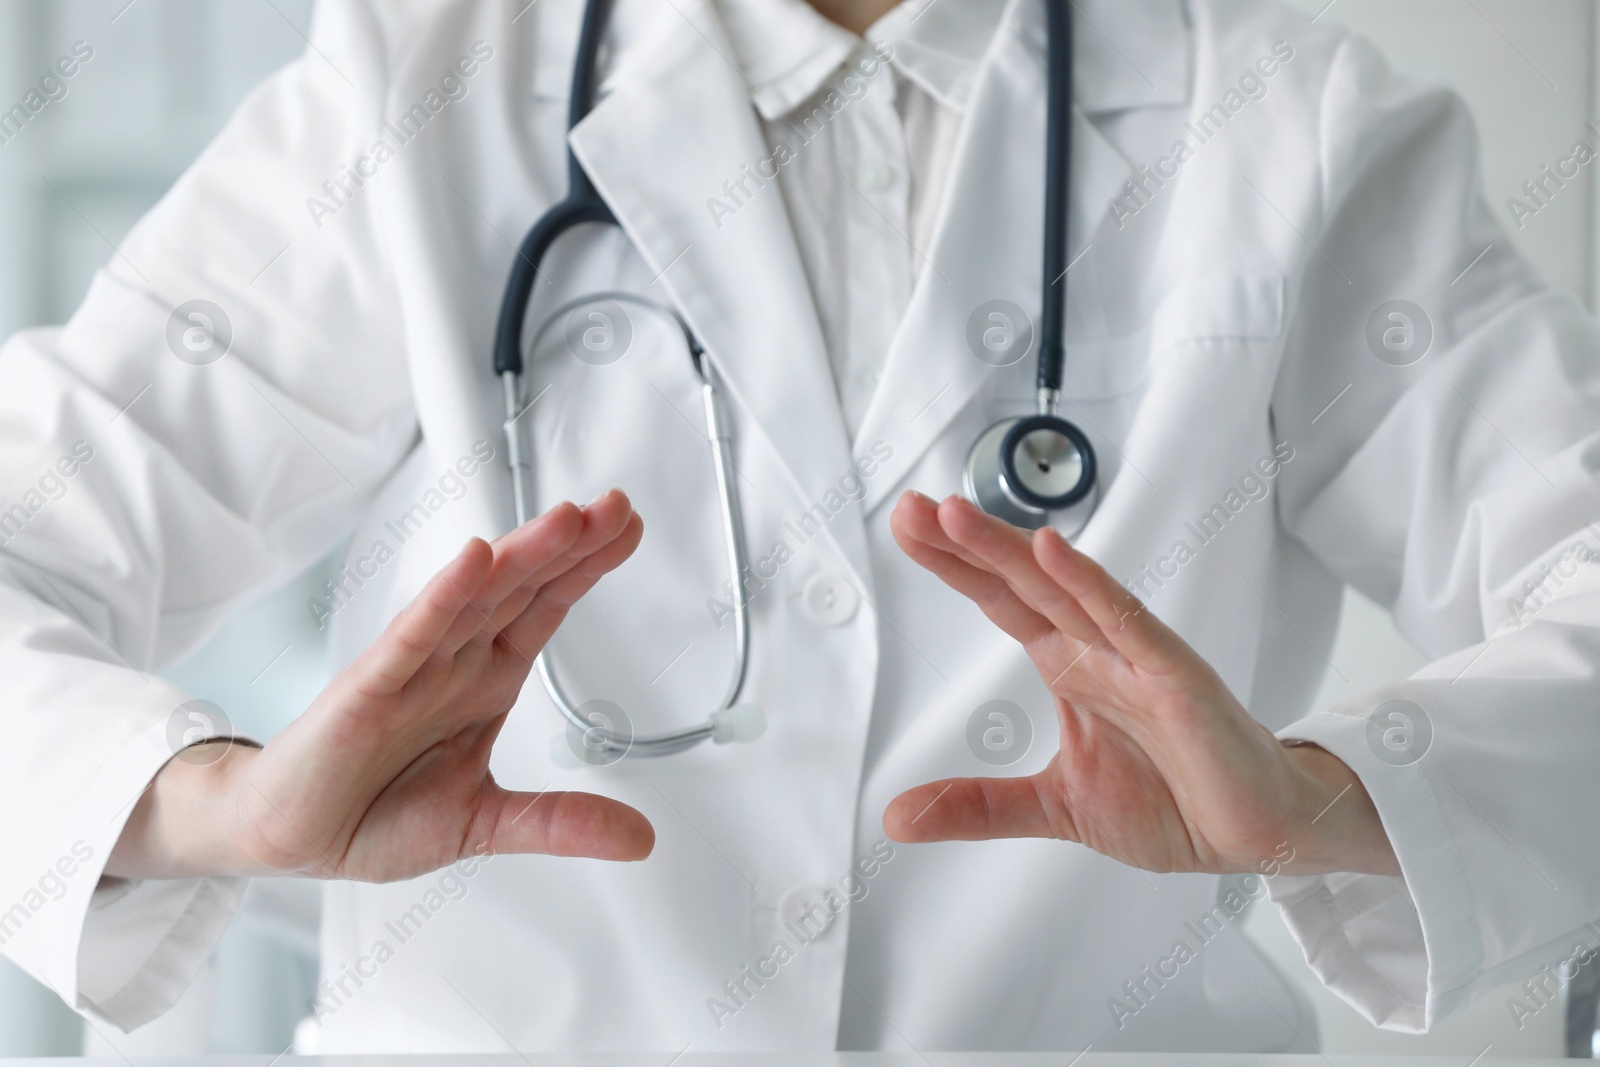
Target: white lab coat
<point>1214,320</point>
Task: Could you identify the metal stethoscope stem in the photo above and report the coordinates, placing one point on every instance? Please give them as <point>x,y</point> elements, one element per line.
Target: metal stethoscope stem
<point>602,740</point>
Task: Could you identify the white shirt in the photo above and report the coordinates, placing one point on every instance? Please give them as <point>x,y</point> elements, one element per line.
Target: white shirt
<point>872,143</point>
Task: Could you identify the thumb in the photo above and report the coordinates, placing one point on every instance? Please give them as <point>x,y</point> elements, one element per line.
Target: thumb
<point>570,824</point>
<point>968,809</point>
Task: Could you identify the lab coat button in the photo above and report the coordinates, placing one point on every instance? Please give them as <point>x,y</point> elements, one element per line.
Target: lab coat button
<point>805,912</point>
<point>831,600</point>
<point>875,177</point>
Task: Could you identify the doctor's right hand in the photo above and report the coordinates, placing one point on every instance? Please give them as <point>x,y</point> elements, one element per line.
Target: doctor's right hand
<point>386,775</point>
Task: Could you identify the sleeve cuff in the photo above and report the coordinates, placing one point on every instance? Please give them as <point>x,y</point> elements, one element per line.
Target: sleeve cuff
<point>119,950</point>
<point>144,943</point>
<point>1403,951</point>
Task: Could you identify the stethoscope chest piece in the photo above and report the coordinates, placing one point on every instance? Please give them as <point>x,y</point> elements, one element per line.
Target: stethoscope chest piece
<point>1024,470</point>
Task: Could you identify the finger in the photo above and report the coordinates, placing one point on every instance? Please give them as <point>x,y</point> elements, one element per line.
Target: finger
<point>969,809</point>
<point>417,632</point>
<point>551,603</point>
<point>570,824</point>
<point>924,511</point>
<point>528,632</point>
<point>1130,627</point>
<point>1009,551</point>
<point>516,555</point>
<point>603,522</point>
<point>916,529</point>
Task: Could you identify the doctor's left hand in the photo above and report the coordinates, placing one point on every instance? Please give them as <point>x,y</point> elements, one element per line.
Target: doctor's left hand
<point>1160,766</point>
<point>386,775</point>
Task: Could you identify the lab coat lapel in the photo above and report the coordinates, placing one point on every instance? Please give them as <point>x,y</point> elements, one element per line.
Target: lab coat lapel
<point>662,147</point>
<point>988,246</point>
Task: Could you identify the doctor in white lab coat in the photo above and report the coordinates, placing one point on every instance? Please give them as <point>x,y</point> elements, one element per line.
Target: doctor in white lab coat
<point>1302,347</point>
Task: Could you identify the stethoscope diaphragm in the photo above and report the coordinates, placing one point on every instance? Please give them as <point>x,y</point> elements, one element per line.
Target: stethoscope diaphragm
<point>1046,463</point>
<point>1032,470</point>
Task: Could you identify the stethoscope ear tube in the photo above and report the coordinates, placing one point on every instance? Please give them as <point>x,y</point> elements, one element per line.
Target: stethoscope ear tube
<point>581,204</point>
<point>552,225</point>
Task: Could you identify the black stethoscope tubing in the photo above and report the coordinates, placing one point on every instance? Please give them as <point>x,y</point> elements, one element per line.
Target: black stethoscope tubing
<point>1057,181</point>
<point>582,203</point>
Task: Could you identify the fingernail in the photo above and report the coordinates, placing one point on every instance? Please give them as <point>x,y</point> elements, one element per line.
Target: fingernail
<point>921,498</point>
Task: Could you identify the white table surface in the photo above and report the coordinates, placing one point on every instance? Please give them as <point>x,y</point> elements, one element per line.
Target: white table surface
<point>824,1059</point>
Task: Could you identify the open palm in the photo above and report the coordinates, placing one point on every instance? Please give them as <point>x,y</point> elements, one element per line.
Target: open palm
<point>1160,766</point>
<point>386,775</point>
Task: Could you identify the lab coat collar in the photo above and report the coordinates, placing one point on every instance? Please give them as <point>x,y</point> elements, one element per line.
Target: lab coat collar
<point>662,147</point>
<point>1131,53</point>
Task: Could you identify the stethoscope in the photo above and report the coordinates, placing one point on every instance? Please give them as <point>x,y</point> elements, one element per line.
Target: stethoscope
<point>1020,469</point>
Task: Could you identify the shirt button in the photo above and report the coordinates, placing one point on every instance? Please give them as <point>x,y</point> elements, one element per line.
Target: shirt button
<point>831,600</point>
<point>875,177</point>
<point>806,913</point>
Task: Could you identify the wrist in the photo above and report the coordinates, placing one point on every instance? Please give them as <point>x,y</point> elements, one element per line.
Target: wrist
<point>1336,825</point>
<point>185,824</point>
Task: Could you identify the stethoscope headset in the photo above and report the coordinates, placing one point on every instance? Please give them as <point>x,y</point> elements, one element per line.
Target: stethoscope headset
<point>1022,469</point>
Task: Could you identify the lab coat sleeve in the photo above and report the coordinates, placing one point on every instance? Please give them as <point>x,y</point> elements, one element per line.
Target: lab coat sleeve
<point>1461,492</point>
<point>150,488</point>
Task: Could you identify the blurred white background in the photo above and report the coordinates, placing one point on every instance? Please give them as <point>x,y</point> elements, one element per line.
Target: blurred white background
<point>164,77</point>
